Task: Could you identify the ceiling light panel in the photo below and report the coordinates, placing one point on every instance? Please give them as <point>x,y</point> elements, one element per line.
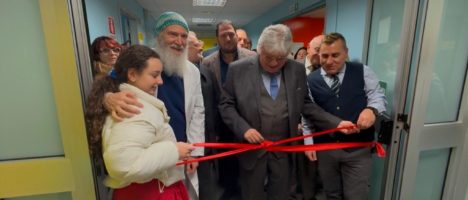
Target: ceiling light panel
<point>202,20</point>
<point>219,3</point>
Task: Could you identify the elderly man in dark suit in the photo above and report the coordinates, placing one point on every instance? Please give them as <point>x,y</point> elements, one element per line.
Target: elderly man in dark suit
<point>263,99</point>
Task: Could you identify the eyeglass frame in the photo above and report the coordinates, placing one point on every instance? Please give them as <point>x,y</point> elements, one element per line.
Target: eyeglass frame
<point>107,51</point>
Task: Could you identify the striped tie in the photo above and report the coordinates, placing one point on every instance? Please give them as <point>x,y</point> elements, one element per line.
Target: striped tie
<point>335,86</point>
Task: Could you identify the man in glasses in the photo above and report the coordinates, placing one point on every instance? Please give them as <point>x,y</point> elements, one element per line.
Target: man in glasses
<point>263,99</point>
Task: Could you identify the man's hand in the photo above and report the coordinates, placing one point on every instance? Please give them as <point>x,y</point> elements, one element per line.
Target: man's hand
<point>352,128</point>
<point>311,155</point>
<point>366,119</point>
<point>192,167</point>
<point>253,136</point>
<point>122,105</point>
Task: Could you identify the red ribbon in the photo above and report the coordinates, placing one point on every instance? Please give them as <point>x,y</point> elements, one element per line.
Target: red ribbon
<point>272,146</point>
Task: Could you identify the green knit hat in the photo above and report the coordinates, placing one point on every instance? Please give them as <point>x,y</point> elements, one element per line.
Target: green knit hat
<point>170,18</point>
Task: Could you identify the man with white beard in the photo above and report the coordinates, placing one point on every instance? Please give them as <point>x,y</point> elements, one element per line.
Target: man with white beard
<point>180,92</point>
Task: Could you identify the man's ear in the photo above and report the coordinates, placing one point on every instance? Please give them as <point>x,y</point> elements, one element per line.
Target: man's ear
<point>132,75</point>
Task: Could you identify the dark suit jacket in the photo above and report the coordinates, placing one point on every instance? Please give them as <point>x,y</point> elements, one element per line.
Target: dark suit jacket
<point>211,92</point>
<point>213,64</point>
<point>239,106</point>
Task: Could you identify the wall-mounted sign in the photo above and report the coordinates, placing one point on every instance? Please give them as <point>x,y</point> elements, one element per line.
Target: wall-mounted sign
<point>141,38</point>
<point>110,23</point>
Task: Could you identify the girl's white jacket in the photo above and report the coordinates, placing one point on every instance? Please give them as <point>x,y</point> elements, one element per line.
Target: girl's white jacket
<point>141,148</point>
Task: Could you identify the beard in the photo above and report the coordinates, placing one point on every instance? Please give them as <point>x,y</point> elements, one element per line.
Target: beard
<point>172,63</point>
<point>229,50</point>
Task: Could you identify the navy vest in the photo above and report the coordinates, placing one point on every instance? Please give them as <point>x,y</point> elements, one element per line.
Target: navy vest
<point>347,105</point>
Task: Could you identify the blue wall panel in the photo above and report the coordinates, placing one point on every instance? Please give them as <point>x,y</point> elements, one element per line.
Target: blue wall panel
<point>348,18</point>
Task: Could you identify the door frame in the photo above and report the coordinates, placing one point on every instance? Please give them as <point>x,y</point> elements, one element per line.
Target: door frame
<point>410,133</point>
<point>72,171</point>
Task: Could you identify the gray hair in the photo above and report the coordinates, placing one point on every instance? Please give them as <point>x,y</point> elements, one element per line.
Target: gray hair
<point>192,37</point>
<point>275,39</point>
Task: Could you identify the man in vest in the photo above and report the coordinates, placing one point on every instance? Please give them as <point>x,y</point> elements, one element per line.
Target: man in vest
<point>263,99</point>
<point>352,92</point>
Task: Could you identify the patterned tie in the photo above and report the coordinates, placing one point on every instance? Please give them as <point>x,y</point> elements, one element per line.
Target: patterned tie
<point>335,86</point>
<point>273,87</point>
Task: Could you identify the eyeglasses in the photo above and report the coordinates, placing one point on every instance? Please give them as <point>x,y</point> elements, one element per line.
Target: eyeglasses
<point>278,59</point>
<point>108,50</point>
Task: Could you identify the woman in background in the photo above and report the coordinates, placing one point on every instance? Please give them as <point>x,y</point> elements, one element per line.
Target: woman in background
<point>300,55</point>
<point>140,153</point>
<point>104,54</point>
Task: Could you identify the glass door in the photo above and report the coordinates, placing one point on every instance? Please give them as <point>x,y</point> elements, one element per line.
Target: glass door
<point>43,145</point>
<point>419,50</point>
<point>384,50</point>
<point>432,119</point>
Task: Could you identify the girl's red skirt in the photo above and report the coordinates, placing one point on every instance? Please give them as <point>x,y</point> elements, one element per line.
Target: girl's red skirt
<point>151,191</point>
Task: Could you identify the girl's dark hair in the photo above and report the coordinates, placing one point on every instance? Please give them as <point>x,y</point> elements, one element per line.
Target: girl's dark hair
<point>297,52</point>
<point>135,57</point>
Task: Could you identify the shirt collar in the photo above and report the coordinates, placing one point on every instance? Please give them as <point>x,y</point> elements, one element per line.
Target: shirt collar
<point>342,71</point>
<point>236,56</point>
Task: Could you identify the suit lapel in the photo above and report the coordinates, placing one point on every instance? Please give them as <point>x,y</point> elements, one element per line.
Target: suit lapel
<point>240,53</point>
<point>187,79</point>
<point>217,68</point>
<point>257,82</point>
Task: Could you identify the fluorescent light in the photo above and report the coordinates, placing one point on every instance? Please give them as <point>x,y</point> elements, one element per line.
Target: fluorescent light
<point>202,20</point>
<point>219,3</point>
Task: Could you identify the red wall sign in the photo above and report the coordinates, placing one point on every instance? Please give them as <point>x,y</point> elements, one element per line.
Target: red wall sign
<point>110,22</point>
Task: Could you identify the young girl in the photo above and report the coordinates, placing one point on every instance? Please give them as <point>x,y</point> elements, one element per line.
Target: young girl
<point>140,152</point>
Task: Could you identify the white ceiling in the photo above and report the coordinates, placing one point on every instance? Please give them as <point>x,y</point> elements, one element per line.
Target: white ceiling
<point>240,12</point>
